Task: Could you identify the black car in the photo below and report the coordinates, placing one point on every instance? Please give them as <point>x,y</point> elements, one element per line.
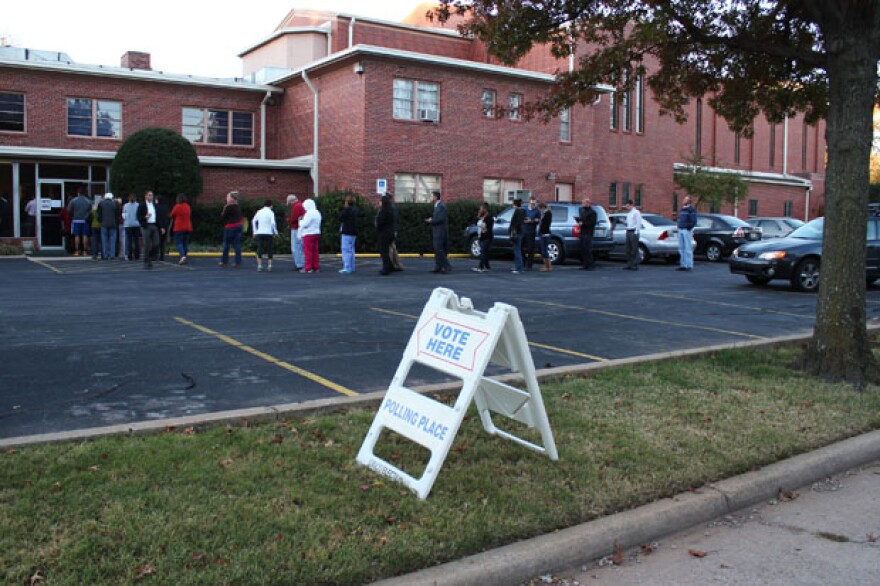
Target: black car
<point>564,233</point>
<point>798,257</point>
<point>717,235</point>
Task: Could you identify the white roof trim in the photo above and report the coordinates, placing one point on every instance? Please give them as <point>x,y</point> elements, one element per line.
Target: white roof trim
<point>752,176</point>
<point>296,163</point>
<point>438,60</point>
<point>137,74</point>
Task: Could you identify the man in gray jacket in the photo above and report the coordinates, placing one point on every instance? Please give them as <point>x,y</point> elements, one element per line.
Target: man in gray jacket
<point>108,215</point>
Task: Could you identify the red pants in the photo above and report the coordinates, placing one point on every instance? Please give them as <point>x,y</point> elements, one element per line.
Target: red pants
<point>310,250</point>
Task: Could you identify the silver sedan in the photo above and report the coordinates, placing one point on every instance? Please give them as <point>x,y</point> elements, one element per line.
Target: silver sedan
<point>658,238</point>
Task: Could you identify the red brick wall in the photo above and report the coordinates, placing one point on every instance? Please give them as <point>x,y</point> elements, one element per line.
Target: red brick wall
<point>370,33</point>
<point>253,184</point>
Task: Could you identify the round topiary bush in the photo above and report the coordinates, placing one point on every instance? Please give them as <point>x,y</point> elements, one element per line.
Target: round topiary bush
<point>157,159</point>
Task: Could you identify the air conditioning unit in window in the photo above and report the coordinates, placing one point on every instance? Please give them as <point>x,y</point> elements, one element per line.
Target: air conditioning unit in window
<point>426,115</point>
<point>512,194</point>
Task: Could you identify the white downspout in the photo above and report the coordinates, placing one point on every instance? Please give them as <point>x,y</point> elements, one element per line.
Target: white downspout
<point>314,172</point>
<point>351,24</point>
<point>807,205</point>
<point>267,97</point>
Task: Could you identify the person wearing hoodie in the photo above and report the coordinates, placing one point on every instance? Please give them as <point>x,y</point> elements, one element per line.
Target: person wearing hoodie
<point>310,231</point>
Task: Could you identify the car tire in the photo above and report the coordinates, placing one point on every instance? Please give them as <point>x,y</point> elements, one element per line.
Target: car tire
<point>806,275</point>
<point>556,251</point>
<point>474,246</point>
<point>644,255</point>
<point>713,252</point>
<point>757,279</point>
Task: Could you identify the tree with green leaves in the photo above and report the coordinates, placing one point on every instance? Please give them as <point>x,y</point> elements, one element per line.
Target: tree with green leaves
<point>774,58</point>
<point>156,159</point>
<point>711,187</point>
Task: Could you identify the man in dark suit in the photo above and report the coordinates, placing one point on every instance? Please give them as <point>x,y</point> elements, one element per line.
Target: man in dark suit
<point>439,235</point>
<point>587,220</point>
<point>147,216</point>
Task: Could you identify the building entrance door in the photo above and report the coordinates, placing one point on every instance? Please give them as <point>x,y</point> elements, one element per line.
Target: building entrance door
<point>50,226</point>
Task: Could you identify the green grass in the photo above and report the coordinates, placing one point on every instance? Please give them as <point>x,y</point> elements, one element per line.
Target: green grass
<point>286,502</point>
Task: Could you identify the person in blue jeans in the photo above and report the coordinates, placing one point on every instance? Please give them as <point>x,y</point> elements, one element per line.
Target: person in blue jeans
<point>687,219</point>
<point>348,234</point>
<point>233,224</point>
<point>516,235</point>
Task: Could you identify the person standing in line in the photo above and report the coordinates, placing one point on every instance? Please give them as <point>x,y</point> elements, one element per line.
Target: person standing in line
<point>485,225</point>
<point>163,219</point>
<point>530,227</point>
<point>108,215</point>
<point>233,224</point>
<point>516,235</point>
<point>385,228</point>
<point>348,234</point>
<point>95,225</point>
<point>297,211</point>
<point>30,220</point>
<point>633,227</point>
<point>181,227</point>
<point>395,256</point>
<point>79,209</point>
<point>265,230</point>
<point>544,234</point>
<point>146,215</point>
<point>310,230</point>
<point>587,220</point>
<point>132,229</point>
<point>687,219</point>
<point>439,235</point>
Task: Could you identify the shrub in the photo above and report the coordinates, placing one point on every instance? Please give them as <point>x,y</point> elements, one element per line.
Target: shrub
<point>10,249</point>
<point>157,159</point>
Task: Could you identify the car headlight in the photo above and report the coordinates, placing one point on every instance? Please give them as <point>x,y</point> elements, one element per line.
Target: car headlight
<point>774,255</point>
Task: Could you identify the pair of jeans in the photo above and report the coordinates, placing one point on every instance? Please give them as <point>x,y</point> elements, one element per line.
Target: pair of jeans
<point>485,245</point>
<point>516,241</point>
<point>151,243</point>
<point>296,249</point>
<point>108,241</point>
<point>528,245</point>
<point>348,252</point>
<point>231,237</point>
<point>181,242</point>
<point>587,261</point>
<point>133,243</point>
<point>632,249</point>
<point>685,252</point>
<point>545,243</point>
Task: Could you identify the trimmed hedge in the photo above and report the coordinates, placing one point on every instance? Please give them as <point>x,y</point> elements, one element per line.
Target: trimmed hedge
<point>413,234</point>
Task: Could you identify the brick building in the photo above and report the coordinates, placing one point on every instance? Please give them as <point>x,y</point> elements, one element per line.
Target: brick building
<point>336,101</point>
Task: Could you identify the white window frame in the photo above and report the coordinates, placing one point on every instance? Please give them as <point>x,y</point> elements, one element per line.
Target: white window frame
<point>96,107</point>
<point>416,187</point>
<point>13,114</point>
<point>514,106</point>
<point>201,133</point>
<point>487,102</point>
<point>565,125</point>
<point>411,95</point>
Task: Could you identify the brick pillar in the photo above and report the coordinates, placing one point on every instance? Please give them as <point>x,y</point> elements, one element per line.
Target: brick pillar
<point>136,60</point>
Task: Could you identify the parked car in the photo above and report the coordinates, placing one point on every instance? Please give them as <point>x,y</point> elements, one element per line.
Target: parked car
<point>798,257</point>
<point>718,235</point>
<point>775,227</point>
<point>564,233</point>
<point>658,238</point>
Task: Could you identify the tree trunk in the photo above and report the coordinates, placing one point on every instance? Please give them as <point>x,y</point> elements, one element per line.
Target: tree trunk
<point>840,349</point>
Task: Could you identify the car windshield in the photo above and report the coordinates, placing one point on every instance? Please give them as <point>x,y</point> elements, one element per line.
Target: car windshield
<point>810,231</point>
<point>657,220</point>
<point>505,215</point>
<point>792,223</point>
<point>734,221</point>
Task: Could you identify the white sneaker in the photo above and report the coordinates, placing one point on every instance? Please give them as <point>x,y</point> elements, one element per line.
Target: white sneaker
<point>477,270</point>
<point>515,272</point>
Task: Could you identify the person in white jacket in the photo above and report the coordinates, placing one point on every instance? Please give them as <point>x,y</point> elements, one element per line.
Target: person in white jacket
<point>265,230</point>
<point>310,231</point>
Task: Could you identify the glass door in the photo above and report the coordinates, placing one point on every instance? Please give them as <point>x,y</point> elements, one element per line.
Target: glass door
<point>50,225</point>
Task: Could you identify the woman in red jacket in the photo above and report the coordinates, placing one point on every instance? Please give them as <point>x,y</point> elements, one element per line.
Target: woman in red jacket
<point>181,218</point>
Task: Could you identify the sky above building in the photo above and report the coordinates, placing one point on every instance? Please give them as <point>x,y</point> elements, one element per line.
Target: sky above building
<point>196,37</point>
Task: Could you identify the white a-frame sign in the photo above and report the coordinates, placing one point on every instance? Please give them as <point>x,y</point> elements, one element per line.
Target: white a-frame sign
<point>454,338</point>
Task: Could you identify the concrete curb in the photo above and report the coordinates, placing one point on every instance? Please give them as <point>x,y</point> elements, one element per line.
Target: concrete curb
<point>574,546</point>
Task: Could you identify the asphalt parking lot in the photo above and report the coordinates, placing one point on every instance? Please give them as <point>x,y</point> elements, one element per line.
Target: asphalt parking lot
<point>89,343</point>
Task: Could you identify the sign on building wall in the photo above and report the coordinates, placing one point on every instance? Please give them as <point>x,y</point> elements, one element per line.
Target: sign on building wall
<point>454,338</point>
<point>381,186</point>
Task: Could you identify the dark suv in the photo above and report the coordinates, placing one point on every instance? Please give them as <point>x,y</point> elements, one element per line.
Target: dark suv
<point>718,235</point>
<point>564,233</point>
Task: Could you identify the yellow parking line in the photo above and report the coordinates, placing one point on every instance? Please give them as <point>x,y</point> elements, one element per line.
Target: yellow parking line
<point>535,344</point>
<point>285,365</point>
<point>724,304</point>
<point>47,265</point>
<point>645,319</point>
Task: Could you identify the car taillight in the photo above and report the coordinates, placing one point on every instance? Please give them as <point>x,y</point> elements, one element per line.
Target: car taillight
<point>576,231</point>
<point>738,233</point>
<point>664,235</point>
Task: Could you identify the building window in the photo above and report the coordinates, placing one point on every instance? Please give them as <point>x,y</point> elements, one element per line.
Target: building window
<point>787,208</point>
<point>497,190</point>
<point>201,125</point>
<point>772,159</point>
<point>675,202</point>
<point>736,138</point>
<point>625,195</point>
<point>87,117</point>
<point>639,96</point>
<point>11,112</point>
<point>416,100</point>
<point>753,207</point>
<point>514,106</point>
<point>698,144</point>
<point>639,189</point>
<point>415,187</point>
<point>488,103</point>
<point>626,109</point>
<point>565,125</point>
<point>612,195</point>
